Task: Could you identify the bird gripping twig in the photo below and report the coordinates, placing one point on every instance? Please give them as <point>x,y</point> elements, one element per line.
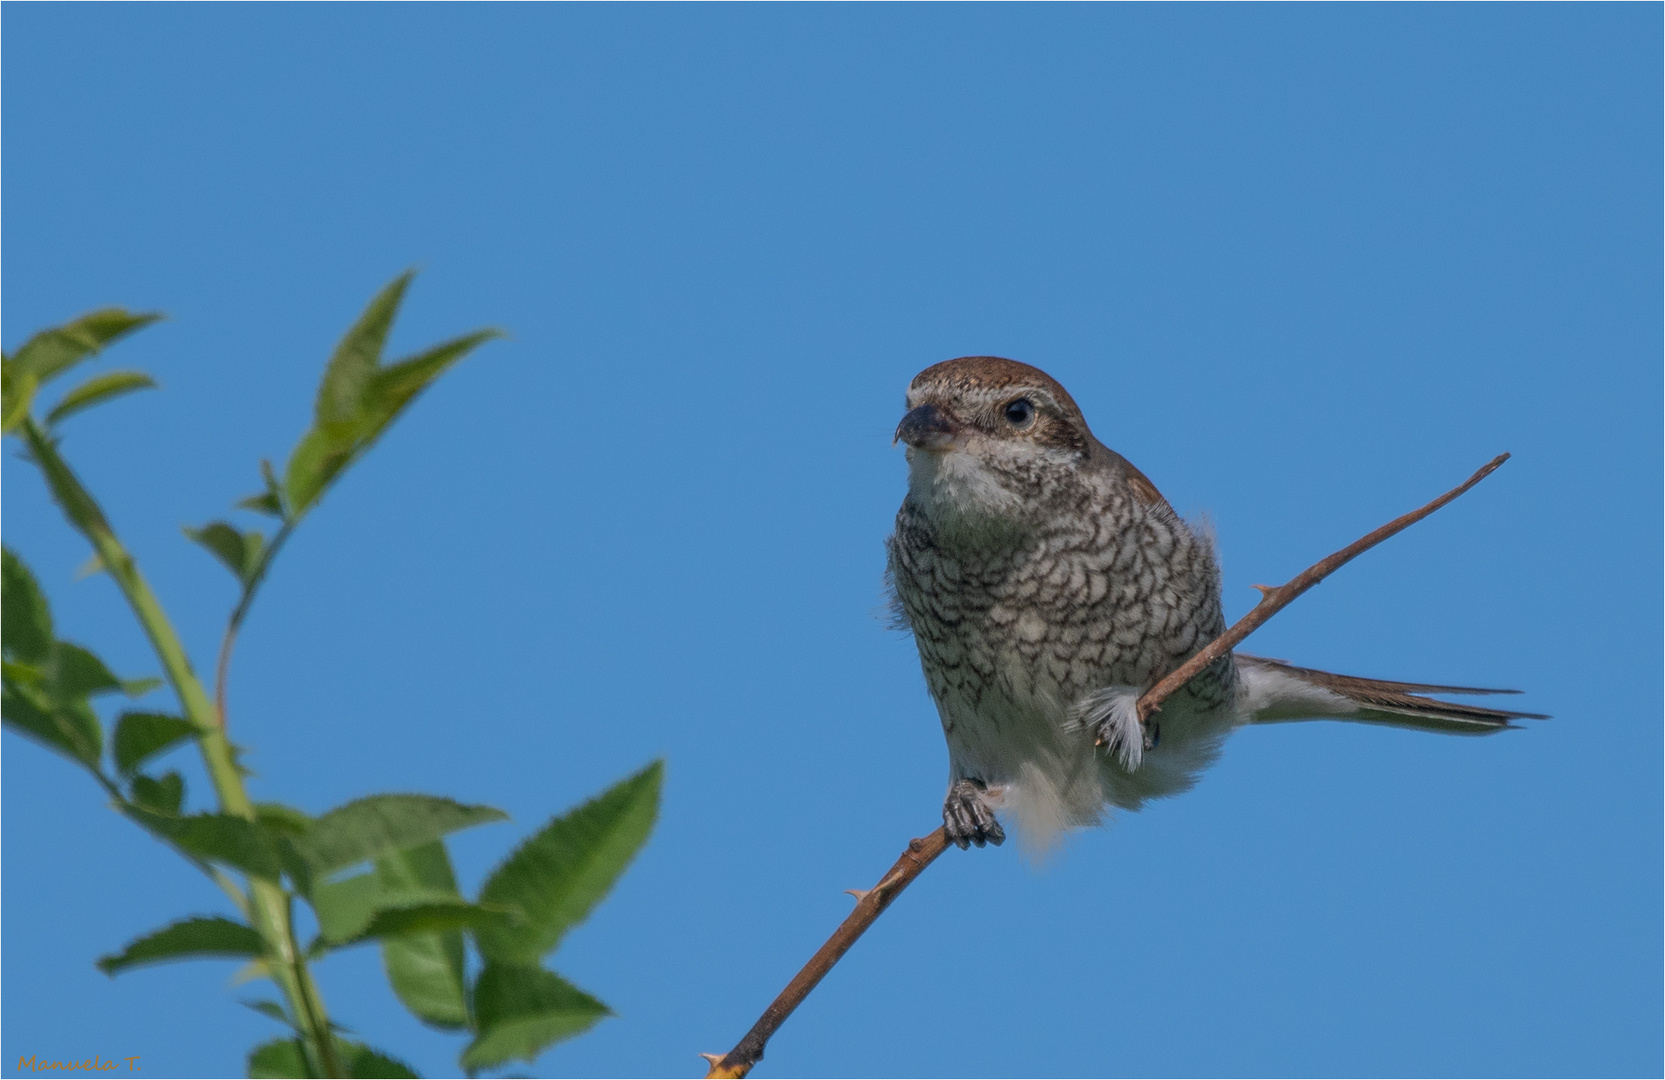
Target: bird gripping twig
<point>922,852</point>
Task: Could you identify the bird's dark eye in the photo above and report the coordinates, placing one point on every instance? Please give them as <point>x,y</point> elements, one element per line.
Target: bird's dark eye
<point>1020,412</point>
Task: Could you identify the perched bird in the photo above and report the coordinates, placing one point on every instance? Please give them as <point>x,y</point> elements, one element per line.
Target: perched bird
<point>1048,584</point>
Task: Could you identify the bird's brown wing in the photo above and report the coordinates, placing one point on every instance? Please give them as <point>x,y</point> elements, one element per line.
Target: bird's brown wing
<point>1274,691</point>
<point>1138,482</point>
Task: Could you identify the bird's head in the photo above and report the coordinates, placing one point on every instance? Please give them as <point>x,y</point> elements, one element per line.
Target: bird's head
<point>991,443</point>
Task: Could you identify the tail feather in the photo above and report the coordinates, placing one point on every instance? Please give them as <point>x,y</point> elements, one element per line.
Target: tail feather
<point>1273,692</point>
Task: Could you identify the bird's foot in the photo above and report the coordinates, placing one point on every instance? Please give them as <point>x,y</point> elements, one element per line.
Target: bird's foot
<point>966,816</point>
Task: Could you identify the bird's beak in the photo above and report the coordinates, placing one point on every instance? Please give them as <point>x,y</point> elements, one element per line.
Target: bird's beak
<point>926,428</point>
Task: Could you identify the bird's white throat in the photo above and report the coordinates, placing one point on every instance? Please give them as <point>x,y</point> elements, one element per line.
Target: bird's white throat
<point>961,494</point>
<point>969,490</point>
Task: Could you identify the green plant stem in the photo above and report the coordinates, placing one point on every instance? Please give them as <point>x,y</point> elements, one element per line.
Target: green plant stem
<point>312,1002</point>
<point>269,907</point>
<point>222,667</point>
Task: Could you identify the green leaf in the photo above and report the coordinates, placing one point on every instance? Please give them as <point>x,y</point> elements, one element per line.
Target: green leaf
<point>141,736</point>
<point>25,675</point>
<point>271,1009</point>
<point>140,687</point>
<point>341,392</point>
<point>279,818</point>
<point>345,907</point>
<point>358,398</point>
<point>411,903</point>
<point>159,796</point>
<point>426,971</point>
<point>52,352</point>
<point>357,909</point>
<point>17,394</point>
<point>99,389</point>
<point>284,1058</point>
<point>202,935</point>
<point>239,551</point>
<point>396,385</point>
<point>421,870</point>
<point>75,501</point>
<point>564,869</point>
<point>293,862</point>
<point>75,673</point>
<point>318,458</point>
<point>49,702</point>
<point>254,969</point>
<point>285,826</point>
<point>433,917</point>
<point>269,501</point>
<point>71,728</point>
<point>222,838</point>
<point>522,1011</point>
<point>364,1063</point>
<point>326,451</point>
<point>27,630</point>
<point>280,1059</point>
<point>378,825</point>
<point>264,503</point>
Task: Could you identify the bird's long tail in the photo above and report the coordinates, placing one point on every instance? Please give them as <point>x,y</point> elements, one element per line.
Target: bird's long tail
<point>1272,691</point>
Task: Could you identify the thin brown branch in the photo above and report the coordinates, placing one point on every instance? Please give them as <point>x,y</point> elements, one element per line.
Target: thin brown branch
<point>1275,600</point>
<point>749,1050</point>
<point>921,853</point>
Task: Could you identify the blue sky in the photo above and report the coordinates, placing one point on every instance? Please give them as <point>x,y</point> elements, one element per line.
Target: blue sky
<point>1306,266</point>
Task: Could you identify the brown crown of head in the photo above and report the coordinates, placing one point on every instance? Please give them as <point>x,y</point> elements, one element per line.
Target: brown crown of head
<point>974,391</point>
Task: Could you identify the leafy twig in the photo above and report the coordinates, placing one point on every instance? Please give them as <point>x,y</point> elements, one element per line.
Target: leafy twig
<point>408,901</point>
<point>359,398</point>
<point>269,904</point>
<point>921,853</point>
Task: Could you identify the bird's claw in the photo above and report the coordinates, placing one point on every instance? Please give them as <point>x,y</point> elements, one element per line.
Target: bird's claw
<point>966,816</point>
